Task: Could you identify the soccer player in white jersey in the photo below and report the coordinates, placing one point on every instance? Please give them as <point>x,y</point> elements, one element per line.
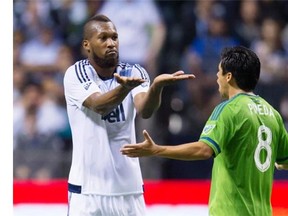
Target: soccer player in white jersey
<point>245,135</point>
<point>103,97</point>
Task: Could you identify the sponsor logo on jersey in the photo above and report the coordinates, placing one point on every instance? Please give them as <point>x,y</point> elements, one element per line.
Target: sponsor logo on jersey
<point>116,115</point>
<point>87,85</point>
<point>208,128</point>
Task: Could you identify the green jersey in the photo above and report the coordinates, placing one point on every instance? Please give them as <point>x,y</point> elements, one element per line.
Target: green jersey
<point>248,136</point>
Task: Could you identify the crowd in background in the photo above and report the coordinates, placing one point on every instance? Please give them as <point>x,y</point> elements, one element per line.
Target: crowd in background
<point>163,36</point>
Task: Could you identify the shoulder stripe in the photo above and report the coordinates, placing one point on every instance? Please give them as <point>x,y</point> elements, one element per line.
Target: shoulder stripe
<point>76,71</point>
<point>221,106</point>
<point>84,69</point>
<point>81,72</point>
<point>142,71</point>
<point>218,110</point>
<point>80,69</point>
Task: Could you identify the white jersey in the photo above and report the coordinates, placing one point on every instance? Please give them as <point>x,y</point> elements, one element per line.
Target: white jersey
<point>98,167</point>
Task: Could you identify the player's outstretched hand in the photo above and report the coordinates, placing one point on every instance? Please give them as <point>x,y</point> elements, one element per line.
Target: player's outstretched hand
<point>281,166</point>
<point>143,149</point>
<point>169,79</point>
<point>128,82</point>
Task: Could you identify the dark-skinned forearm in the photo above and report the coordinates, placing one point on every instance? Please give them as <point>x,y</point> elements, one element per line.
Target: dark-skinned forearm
<point>105,103</point>
<point>151,102</point>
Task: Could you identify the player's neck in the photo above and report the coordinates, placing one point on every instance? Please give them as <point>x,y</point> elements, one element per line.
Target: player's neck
<point>104,73</point>
<point>234,92</point>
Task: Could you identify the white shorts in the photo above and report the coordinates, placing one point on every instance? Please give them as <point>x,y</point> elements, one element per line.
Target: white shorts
<point>96,205</point>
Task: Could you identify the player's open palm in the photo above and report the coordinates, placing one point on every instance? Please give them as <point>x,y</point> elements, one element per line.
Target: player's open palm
<point>168,79</point>
<point>145,148</point>
<point>128,82</point>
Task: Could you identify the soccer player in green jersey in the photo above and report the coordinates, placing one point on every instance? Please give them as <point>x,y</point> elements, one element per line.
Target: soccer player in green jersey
<point>245,135</point>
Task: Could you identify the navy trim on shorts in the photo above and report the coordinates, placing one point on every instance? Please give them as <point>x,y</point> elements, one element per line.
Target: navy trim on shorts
<point>74,188</point>
<point>77,188</point>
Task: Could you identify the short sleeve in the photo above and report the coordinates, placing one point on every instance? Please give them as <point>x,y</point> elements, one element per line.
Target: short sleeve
<point>217,129</point>
<point>282,153</point>
<point>140,72</point>
<point>79,84</point>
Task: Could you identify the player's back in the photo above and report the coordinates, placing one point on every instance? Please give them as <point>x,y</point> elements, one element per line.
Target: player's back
<point>243,171</point>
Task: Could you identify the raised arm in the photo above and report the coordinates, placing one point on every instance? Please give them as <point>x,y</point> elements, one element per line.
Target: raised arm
<point>147,103</point>
<point>281,166</point>
<point>104,103</point>
<point>187,151</point>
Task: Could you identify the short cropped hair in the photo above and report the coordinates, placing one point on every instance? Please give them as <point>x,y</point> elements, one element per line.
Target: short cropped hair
<point>96,18</point>
<point>244,65</point>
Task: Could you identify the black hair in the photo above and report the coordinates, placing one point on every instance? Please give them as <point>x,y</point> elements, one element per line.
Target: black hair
<point>96,18</point>
<point>244,65</point>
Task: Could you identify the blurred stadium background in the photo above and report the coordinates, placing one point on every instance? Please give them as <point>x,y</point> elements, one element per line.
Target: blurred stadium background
<point>47,39</point>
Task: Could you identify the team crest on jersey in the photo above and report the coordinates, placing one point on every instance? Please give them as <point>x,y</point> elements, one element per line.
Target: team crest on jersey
<point>208,128</point>
<point>87,85</point>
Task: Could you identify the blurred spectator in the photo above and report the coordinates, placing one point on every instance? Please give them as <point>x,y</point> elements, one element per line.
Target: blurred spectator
<point>37,151</point>
<point>30,16</point>
<point>18,40</point>
<point>284,37</point>
<point>202,55</point>
<point>196,15</point>
<point>271,51</point>
<point>276,9</point>
<point>179,32</point>
<point>202,15</point>
<point>203,51</point>
<point>19,81</point>
<point>30,101</point>
<point>38,55</point>
<point>50,118</point>
<point>247,27</point>
<point>284,113</point>
<point>273,58</point>
<point>64,59</point>
<point>69,16</point>
<point>284,108</point>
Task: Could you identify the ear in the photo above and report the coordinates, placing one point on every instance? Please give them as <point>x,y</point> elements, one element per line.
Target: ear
<point>86,45</point>
<point>229,76</point>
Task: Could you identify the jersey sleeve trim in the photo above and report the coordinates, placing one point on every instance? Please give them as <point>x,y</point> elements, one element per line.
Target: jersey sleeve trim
<point>81,71</point>
<point>212,144</point>
<point>142,72</point>
<point>217,111</point>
